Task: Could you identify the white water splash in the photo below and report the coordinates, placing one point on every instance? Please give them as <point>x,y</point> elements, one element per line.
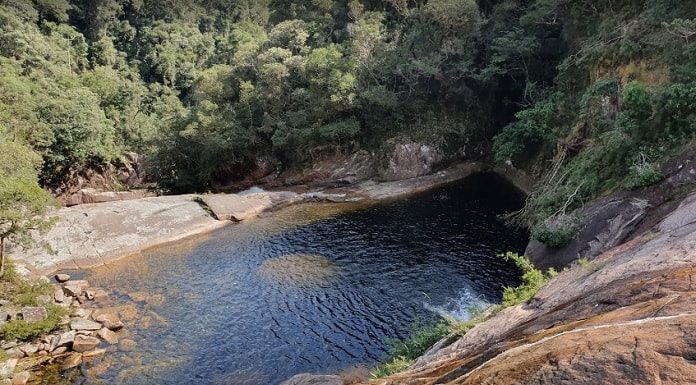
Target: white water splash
<point>251,190</point>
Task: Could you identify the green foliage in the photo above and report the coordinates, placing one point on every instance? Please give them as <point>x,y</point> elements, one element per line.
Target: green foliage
<point>22,292</point>
<point>404,352</point>
<point>24,331</point>
<point>23,203</point>
<point>532,281</point>
<point>532,129</point>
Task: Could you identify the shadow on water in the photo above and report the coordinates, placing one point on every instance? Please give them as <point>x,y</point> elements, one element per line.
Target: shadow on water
<point>311,288</point>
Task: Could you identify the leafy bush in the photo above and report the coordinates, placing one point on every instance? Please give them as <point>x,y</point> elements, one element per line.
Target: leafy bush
<point>532,129</point>
<point>556,235</point>
<point>641,175</point>
<point>532,280</point>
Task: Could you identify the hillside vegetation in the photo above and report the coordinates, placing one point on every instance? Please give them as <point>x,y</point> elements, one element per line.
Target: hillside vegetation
<point>589,96</point>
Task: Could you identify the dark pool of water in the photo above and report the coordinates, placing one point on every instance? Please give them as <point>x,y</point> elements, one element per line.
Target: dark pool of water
<point>313,288</point>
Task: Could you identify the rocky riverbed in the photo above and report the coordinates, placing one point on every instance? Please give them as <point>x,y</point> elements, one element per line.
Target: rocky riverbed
<point>82,335</point>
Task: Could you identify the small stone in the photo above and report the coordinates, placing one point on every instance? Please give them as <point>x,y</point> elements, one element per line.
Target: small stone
<point>7,368</point>
<point>34,314</point>
<point>29,349</point>
<point>92,355</point>
<point>83,313</point>
<point>110,321</point>
<point>83,324</point>
<point>108,336</point>
<point>20,378</point>
<point>59,350</point>
<point>58,295</point>
<point>64,340</point>
<point>71,361</point>
<point>85,343</point>
<point>62,277</point>
<point>127,345</point>
<point>89,294</point>
<point>4,302</point>
<point>100,294</point>
<point>72,290</point>
<point>44,299</point>
<point>9,345</point>
<point>14,353</point>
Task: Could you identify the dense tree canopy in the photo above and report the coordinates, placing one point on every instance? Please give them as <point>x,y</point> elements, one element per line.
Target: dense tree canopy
<point>206,87</point>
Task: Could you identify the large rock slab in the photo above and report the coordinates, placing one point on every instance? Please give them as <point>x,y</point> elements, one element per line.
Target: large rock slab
<point>91,235</point>
<point>410,160</point>
<point>237,207</point>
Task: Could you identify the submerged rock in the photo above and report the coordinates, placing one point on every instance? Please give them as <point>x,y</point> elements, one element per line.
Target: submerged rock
<point>310,379</point>
<point>299,269</point>
<point>85,343</point>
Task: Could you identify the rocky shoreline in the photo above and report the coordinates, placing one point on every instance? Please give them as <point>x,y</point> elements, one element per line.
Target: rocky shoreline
<point>96,234</point>
<point>90,235</point>
<point>82,335</point>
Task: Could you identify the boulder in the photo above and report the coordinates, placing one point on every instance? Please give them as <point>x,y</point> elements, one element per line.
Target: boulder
<point>83,324</point>
<point>109,320</point>
<point>410,160</point>
<point>34,314</point>
<point>310,379</point>
<point>59,351</point>
<point>71,361</point>
<point>7,368</point>
<point>85,343</point>
<point>59,295</point>
<point>72,290</point>
<point>62,277</point>
<point>14,353</point>
<point>64,340</point>
<point>108,336</point>
<point>93,354</point>
<point>29,349</point>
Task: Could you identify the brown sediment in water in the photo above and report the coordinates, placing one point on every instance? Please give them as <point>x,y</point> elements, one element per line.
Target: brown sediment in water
<point>299,269</point>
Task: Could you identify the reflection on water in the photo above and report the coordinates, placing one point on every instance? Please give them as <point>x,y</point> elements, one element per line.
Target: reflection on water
<point>310,288</point>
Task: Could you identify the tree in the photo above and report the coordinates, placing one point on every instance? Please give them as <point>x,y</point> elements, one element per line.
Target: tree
<point>23,203</point>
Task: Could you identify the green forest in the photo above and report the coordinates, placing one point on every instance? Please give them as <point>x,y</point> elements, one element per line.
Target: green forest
<point>589,96</point>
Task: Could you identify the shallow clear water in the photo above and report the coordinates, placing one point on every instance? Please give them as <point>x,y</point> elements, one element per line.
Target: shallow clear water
<point>314,288</point>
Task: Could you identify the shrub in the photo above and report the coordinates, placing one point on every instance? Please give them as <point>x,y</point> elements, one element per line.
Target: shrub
<point>555,232</point>
<point>23,331</point>
<point>641,175</point>
<point>532,280</point>
<point>404,352</point>
<point>532,129</point>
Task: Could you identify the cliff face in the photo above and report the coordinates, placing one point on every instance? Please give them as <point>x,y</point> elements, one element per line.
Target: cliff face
<point>626,317</point>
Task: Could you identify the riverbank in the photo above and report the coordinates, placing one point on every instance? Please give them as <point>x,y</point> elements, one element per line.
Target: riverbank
<point>95,234</point>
